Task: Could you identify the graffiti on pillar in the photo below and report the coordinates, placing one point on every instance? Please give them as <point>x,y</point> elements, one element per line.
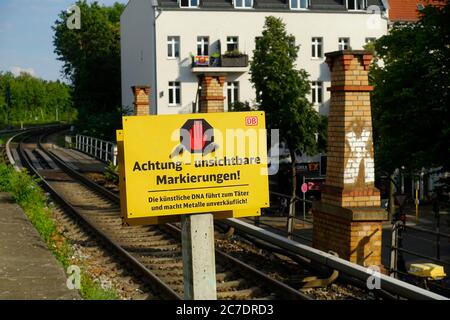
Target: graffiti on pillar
<point>359,169</point>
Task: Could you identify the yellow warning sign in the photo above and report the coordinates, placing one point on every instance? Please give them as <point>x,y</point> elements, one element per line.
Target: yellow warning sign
<point>182,164</point>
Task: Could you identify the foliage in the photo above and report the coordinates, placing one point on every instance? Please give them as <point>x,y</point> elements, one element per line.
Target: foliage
<point>233,54</point>
<point>112,172</point>
<point>91,61</point>
<point>92,290</point>
<point>102,125</point>
<point>34,100</point>
<point>27,193</point>
<point>411,97</point>
<point>281,90</point>
<point>240,106</point>
<point>322,136</point>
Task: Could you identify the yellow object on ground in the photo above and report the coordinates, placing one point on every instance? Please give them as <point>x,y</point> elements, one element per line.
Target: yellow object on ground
<point>427,270</point>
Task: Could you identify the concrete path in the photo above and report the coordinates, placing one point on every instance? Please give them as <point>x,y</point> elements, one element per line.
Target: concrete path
<point>28,270</point>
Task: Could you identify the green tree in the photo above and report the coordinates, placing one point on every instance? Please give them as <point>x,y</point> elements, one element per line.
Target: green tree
<point>33,100</point>
<point>281,91</point>
<point>91,61</point>
<point>411,106</point>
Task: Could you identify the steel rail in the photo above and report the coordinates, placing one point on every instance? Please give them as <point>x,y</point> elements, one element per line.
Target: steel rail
<point>19,133</point>
<point>8,150</point>
<point>387,283</point>
<point>154,280</point>
<point>275,285</point>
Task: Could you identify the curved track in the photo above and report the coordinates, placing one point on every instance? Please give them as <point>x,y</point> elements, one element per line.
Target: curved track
<point>154,252</point>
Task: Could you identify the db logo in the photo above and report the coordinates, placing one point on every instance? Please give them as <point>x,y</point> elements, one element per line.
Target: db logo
<point>251,121</point>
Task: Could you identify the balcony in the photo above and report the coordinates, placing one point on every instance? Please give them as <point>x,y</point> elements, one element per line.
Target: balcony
<point>237,61</point>
<point>229,63</point>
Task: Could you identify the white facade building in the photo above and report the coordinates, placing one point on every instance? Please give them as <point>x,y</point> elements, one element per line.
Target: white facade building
<point>158,38</point>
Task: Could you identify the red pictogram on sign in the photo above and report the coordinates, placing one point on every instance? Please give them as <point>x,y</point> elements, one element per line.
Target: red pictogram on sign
<point>196,134</point>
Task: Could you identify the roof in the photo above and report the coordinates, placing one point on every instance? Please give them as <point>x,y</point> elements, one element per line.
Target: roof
<point>268,5</point>
<point>407,10</point>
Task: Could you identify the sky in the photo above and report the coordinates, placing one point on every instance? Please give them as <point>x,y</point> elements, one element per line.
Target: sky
<point>26,37</point>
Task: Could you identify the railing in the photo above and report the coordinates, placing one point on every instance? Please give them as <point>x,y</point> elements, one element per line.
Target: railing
<point>287,209</point>
<point>399,230</point>
<point>100,149</point>
<point>335,263</point>
<point>222,61</point>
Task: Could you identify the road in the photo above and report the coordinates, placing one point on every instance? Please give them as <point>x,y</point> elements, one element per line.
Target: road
<point>420,242</point>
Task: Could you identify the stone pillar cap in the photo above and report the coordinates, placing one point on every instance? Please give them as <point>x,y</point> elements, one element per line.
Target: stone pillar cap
<point>346,56</point>
<point>143,87</point>
<point>140,86</point>
<point>344,52</point>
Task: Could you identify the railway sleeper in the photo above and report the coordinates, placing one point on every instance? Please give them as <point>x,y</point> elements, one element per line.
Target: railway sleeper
<point>150,244</point>
<point>233,290</point>
<point>157,254</point>
<point>138,231</point>
<point>171,248</point>
<point>167,266</point>
<point>224,276</point>
<point>142,235</point>
<point>156,261</point>
<point>233,285</point>
<point>252,292</point>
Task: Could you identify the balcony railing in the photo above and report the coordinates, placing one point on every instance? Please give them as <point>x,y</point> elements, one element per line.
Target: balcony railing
<point>224,61</point>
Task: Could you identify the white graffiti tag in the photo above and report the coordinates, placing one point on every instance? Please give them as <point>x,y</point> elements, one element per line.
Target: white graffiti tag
<point>359,152</point>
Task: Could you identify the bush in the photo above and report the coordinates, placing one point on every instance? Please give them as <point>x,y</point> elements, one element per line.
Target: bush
<point>112,172</point>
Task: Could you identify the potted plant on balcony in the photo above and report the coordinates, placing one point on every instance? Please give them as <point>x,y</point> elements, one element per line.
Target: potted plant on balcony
<point>215,59</point>
<point>234,58</point>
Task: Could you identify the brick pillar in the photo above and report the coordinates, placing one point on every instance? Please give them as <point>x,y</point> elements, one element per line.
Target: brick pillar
<point>141,100</point>
<point>348,218</point>
<point>211,97</point>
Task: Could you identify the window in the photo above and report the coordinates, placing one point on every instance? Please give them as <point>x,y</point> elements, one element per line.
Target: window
<point>232,92</point>
<point>317,92</point>
<point>298,4</point>
<point>232,43</point>
<point>356,4</point>
<point>202,46</point>
<point>174,93</point>
<point>316,47</point>
<point>189,3</point>
<point>173,47</point>
<point>243,4</point>
<point>344,43</point>
<point>370,40</point>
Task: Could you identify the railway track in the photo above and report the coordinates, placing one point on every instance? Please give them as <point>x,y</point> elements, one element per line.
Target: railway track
<point>153,252</point>
<point>244,271</point>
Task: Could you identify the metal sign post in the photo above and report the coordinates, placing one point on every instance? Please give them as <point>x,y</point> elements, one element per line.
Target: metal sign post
<point>304,198</point>
<point>392,190</point>
<point>417,200</point>
<point>394,246</point>
<point>437,216</point>
<point>199,268</point>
